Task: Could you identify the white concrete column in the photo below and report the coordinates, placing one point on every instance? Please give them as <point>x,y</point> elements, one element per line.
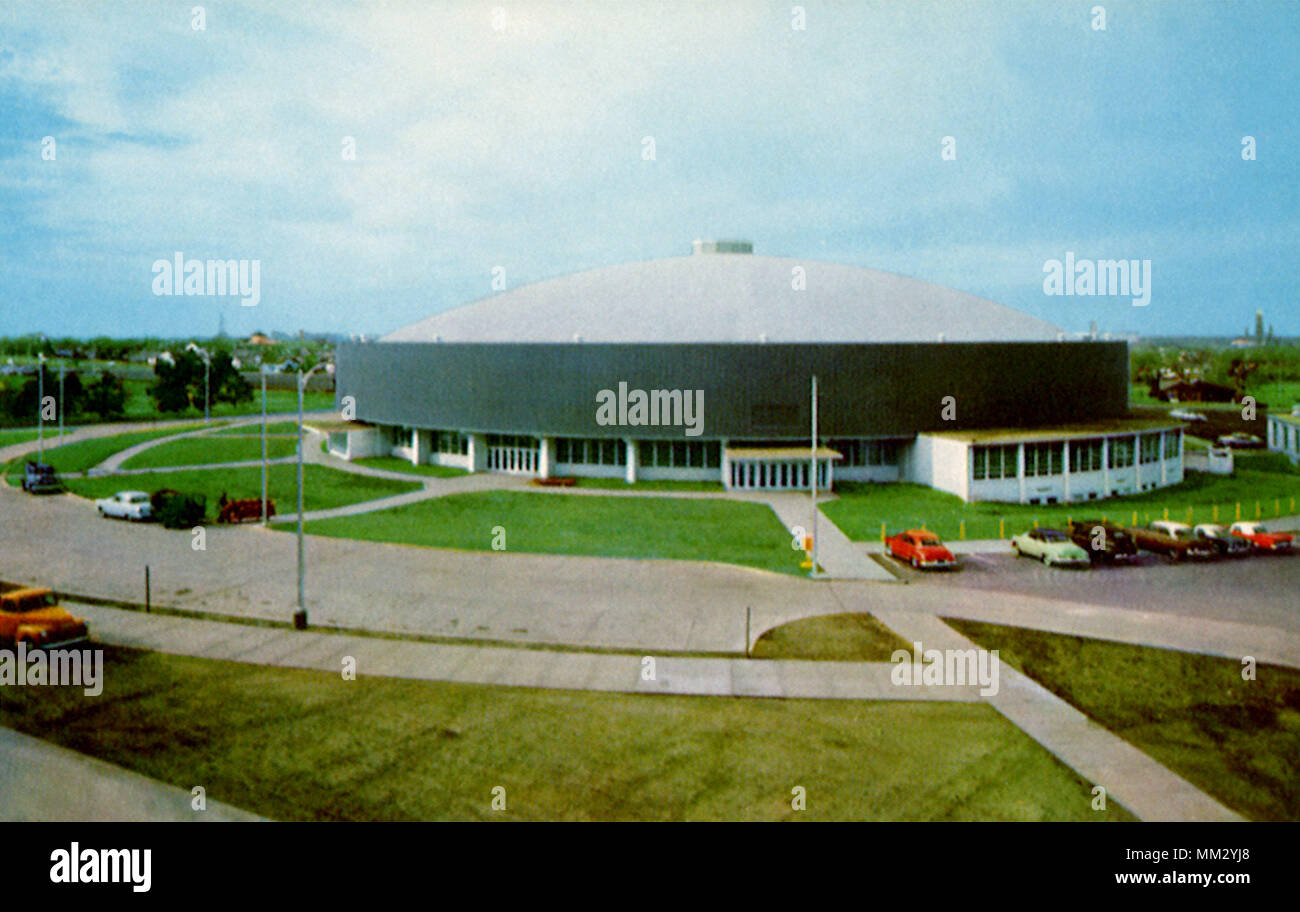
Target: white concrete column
<point>1020,468</point>
<point>1065,470</point>
<point>1137,461</point>
<point>545,456</point>
<point>1105,467</point>
<point>419,449</point>
<point>633,460</point>
<point>477,452</point>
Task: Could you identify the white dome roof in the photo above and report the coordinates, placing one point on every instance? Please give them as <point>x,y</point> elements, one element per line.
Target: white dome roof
<point>730,298</point>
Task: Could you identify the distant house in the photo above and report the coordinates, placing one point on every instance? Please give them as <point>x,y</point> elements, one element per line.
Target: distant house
<point>1242,343</point>
<point>260,339</point>
<point>1179,390</point>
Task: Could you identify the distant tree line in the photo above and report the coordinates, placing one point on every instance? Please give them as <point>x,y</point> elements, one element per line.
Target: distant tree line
<point>103,396</point>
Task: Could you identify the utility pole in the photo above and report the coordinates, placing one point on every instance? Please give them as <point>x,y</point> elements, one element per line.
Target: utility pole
<point>61,371</point>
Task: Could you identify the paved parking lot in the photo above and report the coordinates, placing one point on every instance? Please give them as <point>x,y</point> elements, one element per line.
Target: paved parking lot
<point>1262,589</point>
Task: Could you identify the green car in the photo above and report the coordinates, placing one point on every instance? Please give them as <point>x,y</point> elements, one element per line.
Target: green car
<point>1052,546</point>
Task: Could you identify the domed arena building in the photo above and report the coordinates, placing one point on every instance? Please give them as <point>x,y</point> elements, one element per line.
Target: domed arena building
<point>700,367</point>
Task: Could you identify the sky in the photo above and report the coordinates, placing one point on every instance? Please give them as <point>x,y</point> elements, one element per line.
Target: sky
<point>514,140</point>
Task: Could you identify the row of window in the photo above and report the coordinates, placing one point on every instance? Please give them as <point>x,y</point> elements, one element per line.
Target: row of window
<point>452,442</point>
<point>680,454</point>
<point>1000,461</point>
<point>866,452</point>
<point>587,451</point>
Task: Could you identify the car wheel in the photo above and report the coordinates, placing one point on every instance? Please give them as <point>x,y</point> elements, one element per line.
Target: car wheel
<point>1016,548</point>
<point>1046,562</point>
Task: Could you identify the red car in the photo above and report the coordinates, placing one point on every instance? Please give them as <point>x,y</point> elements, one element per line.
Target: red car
<point>922,549</point>
<point>1260,538</point>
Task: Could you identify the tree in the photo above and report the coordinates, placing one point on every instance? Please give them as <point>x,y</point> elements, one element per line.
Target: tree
<point>180,385</point>
<point>106,396</point>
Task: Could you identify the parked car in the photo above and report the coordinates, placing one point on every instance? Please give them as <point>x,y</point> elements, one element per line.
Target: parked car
<point>1226,543</point>
<point>133,505</point>
<point>1260,538</point>
<point>178,511</point>
<point>1154,538</point>
<point>32,615</point>
<point>1114,542</point>
<point>922,549</point>
<point>1241,441</point>
<point>1186,415</point>
<point>1052,546</point>
<point>39,478</point>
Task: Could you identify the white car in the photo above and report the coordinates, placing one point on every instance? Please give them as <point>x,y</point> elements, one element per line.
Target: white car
<point>1186,415</point>
<point>126,505</point>
<point>1180,531</point>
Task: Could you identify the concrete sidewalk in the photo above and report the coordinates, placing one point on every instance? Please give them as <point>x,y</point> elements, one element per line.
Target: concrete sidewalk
<point>507,666</point>
<point>1148,789</point>
<point>839,557</point>
<point>45,782</point>
<point>1130,777</point>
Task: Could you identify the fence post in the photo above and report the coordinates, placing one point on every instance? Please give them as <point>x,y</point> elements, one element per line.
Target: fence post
<point>1257,509</point>
<point>883,536</point>
<point>148,590</point>
<point>961,529</point>
<point>1238,514</point>
<point>1215,509</point>
<point>1002,528</point>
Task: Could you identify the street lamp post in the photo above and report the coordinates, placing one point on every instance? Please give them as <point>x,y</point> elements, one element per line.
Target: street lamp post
<point>813,557</point>
<point>264,467</point>
<point>300,616</point>
<point>40,408</point>
<point>207,370</point>
<point>62,366</point>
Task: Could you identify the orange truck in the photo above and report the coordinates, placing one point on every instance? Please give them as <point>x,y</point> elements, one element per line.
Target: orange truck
<point>32,614</point>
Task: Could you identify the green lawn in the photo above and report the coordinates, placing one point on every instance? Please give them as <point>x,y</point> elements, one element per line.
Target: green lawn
<point>78,457</point>
<point>272,427</point>
<point>835,637</point>
<point>397,464</point>
<point>323,487</point>
<point>141,407</point>
<point>9,438</point>
<point>306,745</point>
<point>1277,395</point>
<point>654,527</point>
<point>1237,740</point>
<point>210,449</point>
<point>861,508</point>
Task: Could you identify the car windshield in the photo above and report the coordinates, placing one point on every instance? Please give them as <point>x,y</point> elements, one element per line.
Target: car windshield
<point>1052,535</point>
<point>926,540</point>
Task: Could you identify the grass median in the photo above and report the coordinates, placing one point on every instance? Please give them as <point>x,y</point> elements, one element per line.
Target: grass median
<point>86,454</point>
<point>1237,740</point>
<point>305,745</point>
<point>540,523</point>
<point>323,488</point>
<point>210,449</point>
